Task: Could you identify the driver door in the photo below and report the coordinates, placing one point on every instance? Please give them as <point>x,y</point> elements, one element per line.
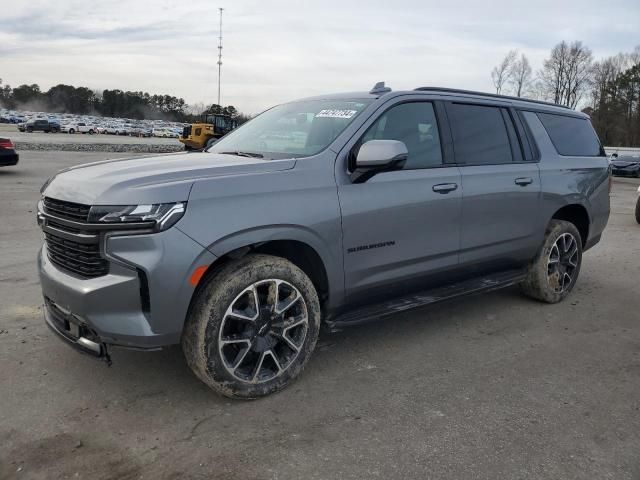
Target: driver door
<point>402,227</point>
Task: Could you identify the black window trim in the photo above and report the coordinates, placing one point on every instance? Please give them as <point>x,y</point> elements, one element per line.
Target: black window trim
<point>526,136</point>
<point>504,109</point>
<point>602,153</point>
<point>377,115</point>
<point>517,152</point>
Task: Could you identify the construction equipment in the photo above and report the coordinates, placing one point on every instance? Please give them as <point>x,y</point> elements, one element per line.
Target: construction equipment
<point>198,136</point>
<point>205,133</point>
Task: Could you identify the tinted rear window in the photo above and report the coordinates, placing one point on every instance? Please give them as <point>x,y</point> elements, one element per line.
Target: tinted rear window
<point>571,136</point>
<point>479,135</point>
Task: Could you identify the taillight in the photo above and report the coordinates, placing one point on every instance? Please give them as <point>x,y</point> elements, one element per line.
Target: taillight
<point>6,143</point>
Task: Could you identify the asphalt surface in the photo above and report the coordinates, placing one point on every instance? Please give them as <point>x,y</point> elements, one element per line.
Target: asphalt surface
<point>12,132</point>
<point>493,386</point>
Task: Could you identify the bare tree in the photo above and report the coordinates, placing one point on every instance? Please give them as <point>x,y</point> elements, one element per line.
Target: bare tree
<point>521,75</point>
<point>566,75</point>
<point>502,72</point>
<point>604,76</point>
<point>196,109</point>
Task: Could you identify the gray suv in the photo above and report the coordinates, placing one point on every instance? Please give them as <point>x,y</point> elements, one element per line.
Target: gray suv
<point>332,210</point>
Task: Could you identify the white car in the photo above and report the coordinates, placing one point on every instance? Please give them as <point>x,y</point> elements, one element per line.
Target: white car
<point>115,129</point>
<point>79,128</point>
<point>164,133</point>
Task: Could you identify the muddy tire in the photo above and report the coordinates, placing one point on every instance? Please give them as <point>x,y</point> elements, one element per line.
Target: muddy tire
<point>252,326</point>
<point>638,210</point>
<point>554,271</point>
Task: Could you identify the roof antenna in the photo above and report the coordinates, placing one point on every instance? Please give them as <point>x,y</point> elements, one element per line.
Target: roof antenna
<point>379,88</point>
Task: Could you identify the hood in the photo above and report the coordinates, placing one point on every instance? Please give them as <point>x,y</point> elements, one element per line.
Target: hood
<point>146,180</point>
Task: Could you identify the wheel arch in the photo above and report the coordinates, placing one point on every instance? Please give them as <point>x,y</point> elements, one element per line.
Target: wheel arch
<point>299,245</point>
<point>578,215</point>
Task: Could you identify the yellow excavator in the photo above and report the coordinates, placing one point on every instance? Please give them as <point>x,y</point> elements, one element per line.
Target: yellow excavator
<point>207,131</point>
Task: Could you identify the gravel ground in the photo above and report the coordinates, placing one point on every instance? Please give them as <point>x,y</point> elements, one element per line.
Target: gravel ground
<point>493,386</point>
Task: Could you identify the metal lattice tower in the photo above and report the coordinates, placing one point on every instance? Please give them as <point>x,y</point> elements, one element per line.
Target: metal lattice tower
<point>220,57</point>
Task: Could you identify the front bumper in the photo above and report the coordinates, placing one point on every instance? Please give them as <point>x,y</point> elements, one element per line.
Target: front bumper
<point>73,331</point>
<point>8,159</point>
<point>141,303</point>
<point>626,171</point>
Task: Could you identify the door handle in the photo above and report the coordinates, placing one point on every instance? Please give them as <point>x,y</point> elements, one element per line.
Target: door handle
<point>524,181</point>
<point>444,187</point>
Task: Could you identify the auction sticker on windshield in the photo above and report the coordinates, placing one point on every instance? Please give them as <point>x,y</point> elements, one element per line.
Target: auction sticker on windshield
<point>336,113</point>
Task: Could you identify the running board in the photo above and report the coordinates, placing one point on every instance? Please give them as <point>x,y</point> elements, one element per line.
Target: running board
<point>381,310</point>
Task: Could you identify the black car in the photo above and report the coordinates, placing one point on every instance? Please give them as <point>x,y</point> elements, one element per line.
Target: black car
<point>40,125</point>
<point>626,166</point>
<point>8,155</point>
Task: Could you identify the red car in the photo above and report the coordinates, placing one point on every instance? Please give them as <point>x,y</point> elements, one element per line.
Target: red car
<point>8,155</point>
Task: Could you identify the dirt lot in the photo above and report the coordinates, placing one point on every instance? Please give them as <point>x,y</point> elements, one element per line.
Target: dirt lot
<point>493,386</point>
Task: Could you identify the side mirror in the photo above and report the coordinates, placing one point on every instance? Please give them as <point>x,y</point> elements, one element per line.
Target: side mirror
<point>376,156</point>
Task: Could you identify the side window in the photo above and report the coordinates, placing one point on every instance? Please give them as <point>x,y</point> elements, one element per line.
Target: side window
<point>414,124</point>
<point>480,135</point>
<point>572,136</point>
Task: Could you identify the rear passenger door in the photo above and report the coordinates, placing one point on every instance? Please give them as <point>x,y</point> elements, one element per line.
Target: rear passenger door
<point>400,227</point>
<point>500,185</point>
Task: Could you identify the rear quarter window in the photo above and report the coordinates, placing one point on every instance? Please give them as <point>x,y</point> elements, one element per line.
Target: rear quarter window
<point>572,136</point>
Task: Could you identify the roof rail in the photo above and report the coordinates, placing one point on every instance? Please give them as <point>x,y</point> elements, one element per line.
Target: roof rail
<point>492,95</point>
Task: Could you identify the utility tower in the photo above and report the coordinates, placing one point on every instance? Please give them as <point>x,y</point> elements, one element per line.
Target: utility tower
<point>220,56</point>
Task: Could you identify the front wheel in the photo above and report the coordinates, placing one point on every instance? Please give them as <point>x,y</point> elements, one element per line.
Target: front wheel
<point>638,210</point>
<point>252,326</point>
<point>554,271</point>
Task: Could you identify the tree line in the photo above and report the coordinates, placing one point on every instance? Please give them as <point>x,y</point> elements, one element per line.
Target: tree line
<point>608,90</point>
<point>112,103</point>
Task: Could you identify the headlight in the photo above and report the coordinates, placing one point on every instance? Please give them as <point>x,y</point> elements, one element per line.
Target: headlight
<point>159,216</point>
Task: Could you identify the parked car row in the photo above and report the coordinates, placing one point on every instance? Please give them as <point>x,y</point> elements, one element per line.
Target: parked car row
<point>89,124</point>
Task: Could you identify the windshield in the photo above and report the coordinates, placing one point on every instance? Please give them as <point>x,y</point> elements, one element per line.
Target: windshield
<point>298,129</point>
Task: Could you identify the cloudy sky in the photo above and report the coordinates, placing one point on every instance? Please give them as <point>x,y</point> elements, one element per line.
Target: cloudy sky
<point>279,50</point>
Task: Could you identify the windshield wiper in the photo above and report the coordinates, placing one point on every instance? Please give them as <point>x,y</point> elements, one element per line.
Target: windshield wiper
<point>243,154</point>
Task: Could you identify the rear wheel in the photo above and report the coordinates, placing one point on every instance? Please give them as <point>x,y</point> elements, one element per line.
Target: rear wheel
<point>638,210</point>
<point>554,272</point>
<point>91,132</point>
<point>252,326</point>
<point>71,130</point>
